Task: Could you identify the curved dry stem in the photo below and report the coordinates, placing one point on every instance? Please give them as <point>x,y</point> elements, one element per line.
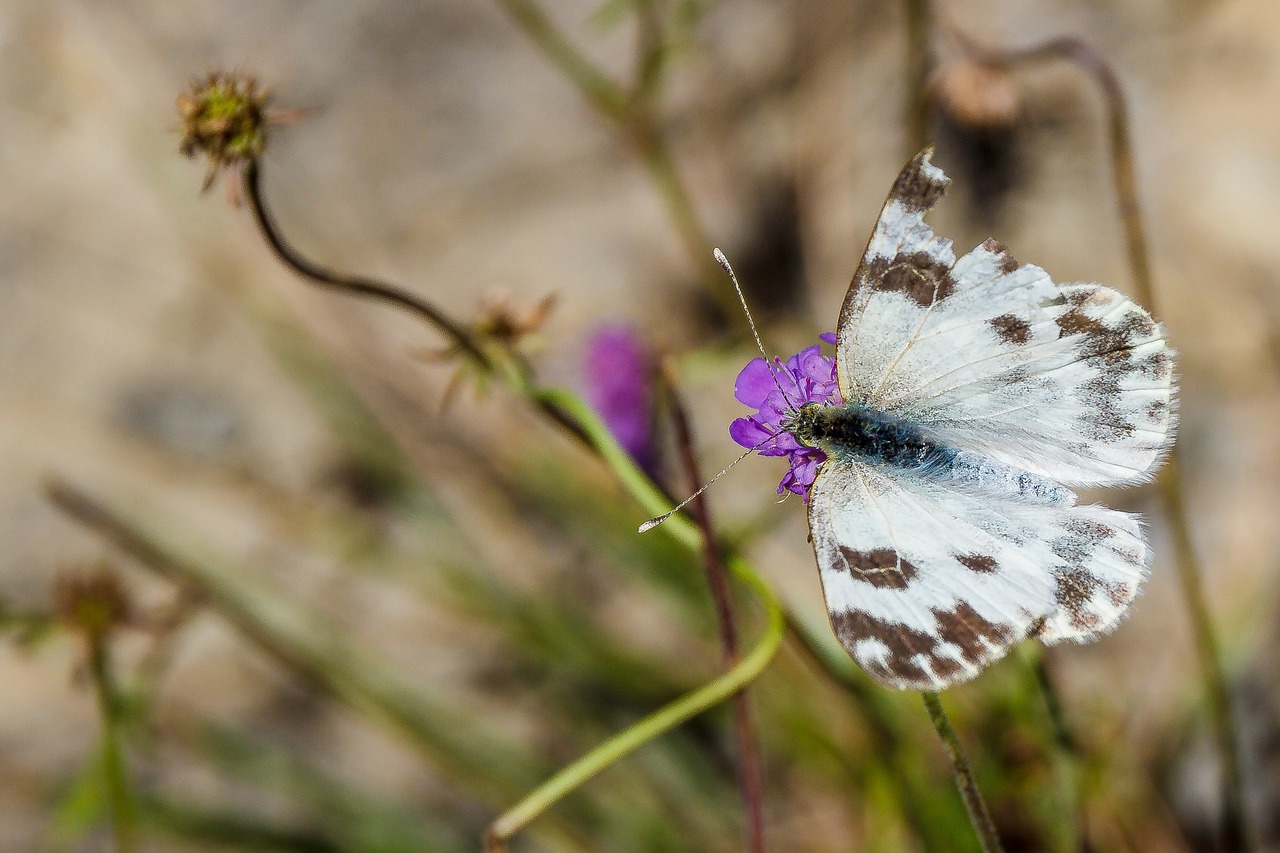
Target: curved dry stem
<point>514,369</point>
<point>353,284</point>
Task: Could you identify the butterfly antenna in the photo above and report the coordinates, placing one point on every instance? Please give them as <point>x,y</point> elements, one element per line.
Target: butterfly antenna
<point>742,300</point>
<point>654,522</point>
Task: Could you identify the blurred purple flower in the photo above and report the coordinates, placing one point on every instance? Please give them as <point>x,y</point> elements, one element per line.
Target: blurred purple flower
<point>619,376</point>
<point>806,377</point>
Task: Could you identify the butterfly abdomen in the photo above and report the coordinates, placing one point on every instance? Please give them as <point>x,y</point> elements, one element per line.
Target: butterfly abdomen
<point>856,432</point>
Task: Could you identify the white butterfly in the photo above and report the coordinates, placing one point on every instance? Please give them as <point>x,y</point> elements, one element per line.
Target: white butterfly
<point>976,393</point>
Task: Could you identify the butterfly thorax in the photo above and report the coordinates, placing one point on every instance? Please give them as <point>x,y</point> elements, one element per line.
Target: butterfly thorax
<point>854,431</point>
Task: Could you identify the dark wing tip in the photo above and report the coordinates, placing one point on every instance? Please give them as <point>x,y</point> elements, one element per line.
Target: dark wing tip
<point>920,183</point>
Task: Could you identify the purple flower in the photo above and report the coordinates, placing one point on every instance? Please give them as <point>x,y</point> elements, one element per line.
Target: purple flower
<point>806,377</point>
<point>619,378</point>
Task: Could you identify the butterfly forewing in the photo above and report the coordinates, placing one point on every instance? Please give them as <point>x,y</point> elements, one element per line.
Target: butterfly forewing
<point>1071,382</point>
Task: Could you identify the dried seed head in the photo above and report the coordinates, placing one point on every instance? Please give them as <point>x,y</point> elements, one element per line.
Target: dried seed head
<point>92,600</point>
<point>979,95</point>
<point>500,320</point>
<point>224,117</point>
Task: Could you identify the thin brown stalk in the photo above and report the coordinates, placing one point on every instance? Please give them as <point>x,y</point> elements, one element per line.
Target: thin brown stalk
<point>463,339</point>
<point>352,284</point>
<point>1234,829</point>
<point>979,816</point>
<point>918,28</point>
<point>749,775</point>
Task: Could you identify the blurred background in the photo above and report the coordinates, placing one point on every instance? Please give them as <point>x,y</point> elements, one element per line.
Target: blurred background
<point>358,522</point>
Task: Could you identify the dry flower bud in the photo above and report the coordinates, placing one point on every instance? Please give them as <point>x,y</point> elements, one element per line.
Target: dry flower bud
<point>223,117</point>
<point>979,94</point>
<point>502,321</point>
<point>92,600</point>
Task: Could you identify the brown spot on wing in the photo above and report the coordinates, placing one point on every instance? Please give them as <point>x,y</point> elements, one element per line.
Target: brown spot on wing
<point>1104,418</point>
<point>966,628</point>
<point>1099,338</point>
<point>980,563</point>
<point>1005,260</point>
<point>903,644</point>
<point>1081,537</point>
<point>882,568</point>
<point>1011,329</point>
<point>921,278</point>
<point>1120,594</point>
<point>916,191</point>
<point>1076,588</point>
<point>1115,347</point>
<point>914,188</point>
<point>963,628</point>
<point>1157,366</point>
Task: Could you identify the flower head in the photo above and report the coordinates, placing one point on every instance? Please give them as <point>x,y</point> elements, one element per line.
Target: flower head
<point>776,393</point>
<point>619,379</point>
<point>224,117</point>
<point>93,600</point>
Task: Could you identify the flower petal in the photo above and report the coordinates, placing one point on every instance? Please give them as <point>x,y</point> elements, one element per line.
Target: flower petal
<point>754,383</point>
<point>749,432</point>
<point>776,392</point>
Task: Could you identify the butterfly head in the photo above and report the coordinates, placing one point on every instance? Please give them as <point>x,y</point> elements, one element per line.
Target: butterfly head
<point>805,424</point>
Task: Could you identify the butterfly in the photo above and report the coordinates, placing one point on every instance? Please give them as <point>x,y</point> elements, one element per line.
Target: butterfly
<point>974,395</point>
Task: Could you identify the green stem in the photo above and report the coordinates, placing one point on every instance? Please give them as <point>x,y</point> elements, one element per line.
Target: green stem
<point>656,724</point>
<point>891,747</point>
<point>1066,754</point>
<point>1235,827</point>
<point>603,94</point>
<point>973,802</point>
<point>119,792</point>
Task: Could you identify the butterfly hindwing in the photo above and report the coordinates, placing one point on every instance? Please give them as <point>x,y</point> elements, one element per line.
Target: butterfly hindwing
<point>1102,558</point>
<point>926,586</point>
<point>1071,382</point>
